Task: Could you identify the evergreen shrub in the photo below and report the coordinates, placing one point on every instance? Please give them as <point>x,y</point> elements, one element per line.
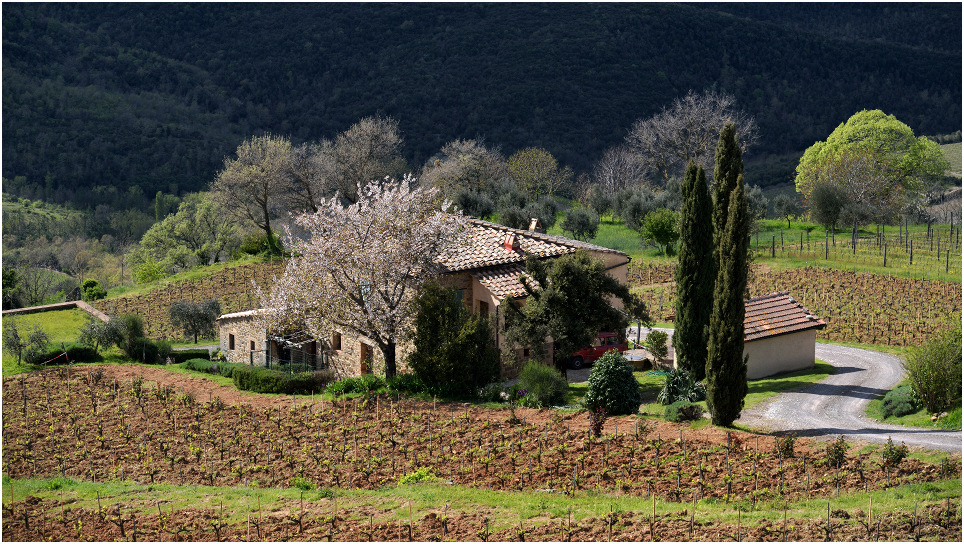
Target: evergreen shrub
<point>680,386</point>
<point>613,386</point>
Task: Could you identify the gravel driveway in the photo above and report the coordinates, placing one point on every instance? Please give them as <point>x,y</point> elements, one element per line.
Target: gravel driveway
<point>836,405</point>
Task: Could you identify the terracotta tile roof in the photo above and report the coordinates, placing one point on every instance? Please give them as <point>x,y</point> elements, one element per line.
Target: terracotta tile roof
<point>503,281</point>
<point>776,314</point>
<point>485,247</point>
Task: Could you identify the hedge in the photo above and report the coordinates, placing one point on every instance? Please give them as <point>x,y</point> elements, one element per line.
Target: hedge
<point>77,353</point>
<point>683,411</point>
<point>184,355</point>
<point>261,380</point>
<point>213,367</point>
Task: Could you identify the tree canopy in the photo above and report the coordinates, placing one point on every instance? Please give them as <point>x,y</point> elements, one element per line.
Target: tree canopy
<point>881,141</point>
<point>569,301</point>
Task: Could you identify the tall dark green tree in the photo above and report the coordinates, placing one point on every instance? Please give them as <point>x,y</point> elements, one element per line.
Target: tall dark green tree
<point>726,367</point>
<point>695,273</point>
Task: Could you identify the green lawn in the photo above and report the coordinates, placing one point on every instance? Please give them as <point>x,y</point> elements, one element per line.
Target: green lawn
<point>504,509</point>
<point>60,326</point>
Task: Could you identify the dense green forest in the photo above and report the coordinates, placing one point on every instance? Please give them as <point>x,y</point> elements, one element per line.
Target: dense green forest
<point>106,104</point>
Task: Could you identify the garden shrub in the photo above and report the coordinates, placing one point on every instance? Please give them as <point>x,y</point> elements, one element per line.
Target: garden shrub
<point>900,401</point>
<point>545,384</point>
<point>407,383</point>
<point>143,350</point>
<point>223,368</point>
<point>655,343</point>
<point>613,386</point>
<point>683,411</point>
<point>934,370</point>
<point>92,290</point>
<point>183,355</point>
<point>680,386</point>
<point>491,393</point>
<point>362,384</point>
<point>784,444</point>
<point>262,380</point>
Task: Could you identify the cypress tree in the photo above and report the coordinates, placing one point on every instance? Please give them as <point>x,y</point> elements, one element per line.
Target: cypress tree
<point>729,168</point>
<point>726,385</point>
<point>695,273</point>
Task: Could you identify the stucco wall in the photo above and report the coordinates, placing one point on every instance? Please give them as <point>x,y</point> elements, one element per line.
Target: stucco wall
<point>785,353</point>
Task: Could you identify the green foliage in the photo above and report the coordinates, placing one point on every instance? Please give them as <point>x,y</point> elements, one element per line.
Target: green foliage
<point>612,386</point>
<point>934,370</point>
<point>890,141</point>
<point>454,351</point>
<point>28,344</point>
<point>366,383</point>
<point>785,206</point>
<point>683,411</point>
<point>784,444</point>
<point>222,368</point>
<point>195,318</point>
<point>54,353</point>
<point>680,386</point>
<point>301,483</point>
<point>827,202</point>
<point>536,172</point>
<point>893,455</point>
<point>655,343</point>
<point>407,383</point>
<point>900,401</point>
<point>569,302</point>
<point>257,244</point>
<point>144,350</point>
<point>726,386</point>
<point>581,223</point>
<point>91,290</point>
<point>837,451</point>
<point>544,383</point>
<point>695,273</point>
<point>148,271</point>
<point>660,227</point>
<point>262,380</point>
<point>421,474</point>
<point>184,355</point>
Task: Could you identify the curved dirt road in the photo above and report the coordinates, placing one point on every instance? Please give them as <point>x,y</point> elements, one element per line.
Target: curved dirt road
<point>836,405</point>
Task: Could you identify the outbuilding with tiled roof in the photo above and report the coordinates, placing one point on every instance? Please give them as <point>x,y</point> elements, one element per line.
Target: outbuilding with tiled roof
<point>779,335</point>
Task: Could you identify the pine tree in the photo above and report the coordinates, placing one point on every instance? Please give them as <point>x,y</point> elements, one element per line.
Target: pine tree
<point>726,385</point>
<point>695,273</point>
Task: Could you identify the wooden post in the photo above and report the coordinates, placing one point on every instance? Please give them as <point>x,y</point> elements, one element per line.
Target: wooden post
<point>773,246</point>
<point>826,245</point>
<point>885,254</point>
<point>911,252</point>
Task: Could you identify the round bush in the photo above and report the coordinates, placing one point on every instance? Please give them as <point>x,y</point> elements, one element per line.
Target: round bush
<point>545,384</point>
<point>900,401</point>
<point>613,386</point>
<point>679,386</point>
<point>683,411</point>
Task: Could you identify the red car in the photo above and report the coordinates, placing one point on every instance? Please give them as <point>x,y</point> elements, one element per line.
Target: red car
<point>604,342</point>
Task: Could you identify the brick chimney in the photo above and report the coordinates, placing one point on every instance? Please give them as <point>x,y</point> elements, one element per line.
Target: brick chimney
<point>511,241</point>
<point>535,225</point>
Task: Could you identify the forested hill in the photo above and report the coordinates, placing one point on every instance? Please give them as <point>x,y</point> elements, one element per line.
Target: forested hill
<point>100,98</point>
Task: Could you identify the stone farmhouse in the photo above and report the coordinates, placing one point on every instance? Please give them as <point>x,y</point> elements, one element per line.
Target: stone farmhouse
<point>485,271</point>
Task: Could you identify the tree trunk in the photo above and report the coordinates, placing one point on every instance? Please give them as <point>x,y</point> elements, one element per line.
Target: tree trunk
<point>388,353</point>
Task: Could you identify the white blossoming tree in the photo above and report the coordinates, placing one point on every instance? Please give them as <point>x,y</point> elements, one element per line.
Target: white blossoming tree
<point>363,264</point>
